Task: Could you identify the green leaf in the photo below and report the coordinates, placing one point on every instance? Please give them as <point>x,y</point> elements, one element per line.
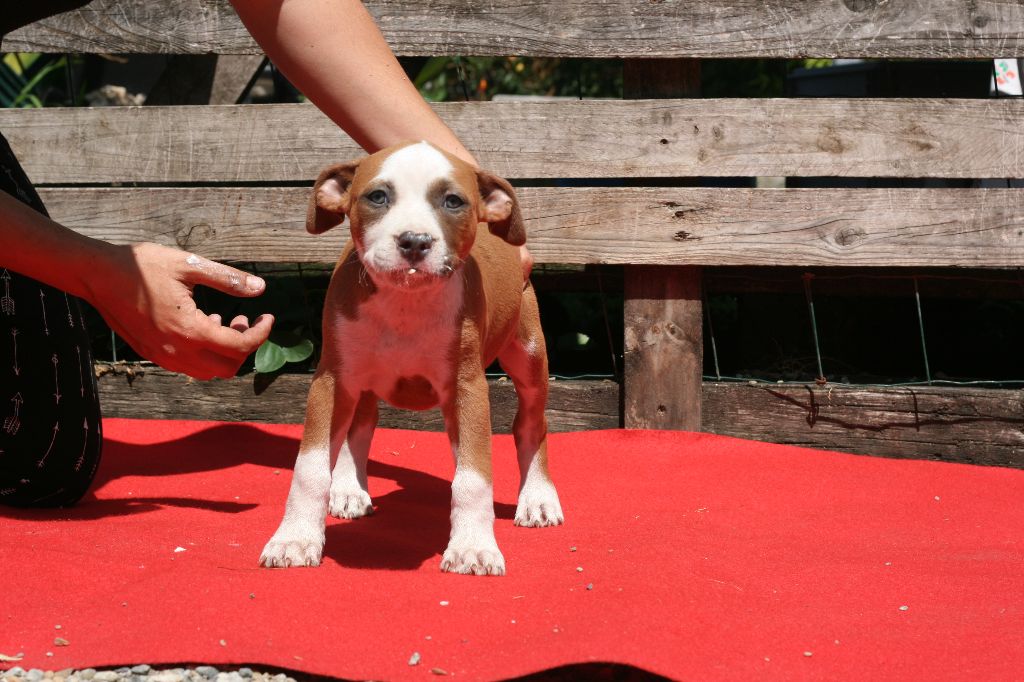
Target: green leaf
<point>430,70</point>
<point>269,357</point>
<point>299,351</point>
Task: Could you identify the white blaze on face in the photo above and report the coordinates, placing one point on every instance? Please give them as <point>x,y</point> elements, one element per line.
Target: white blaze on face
<point>411,172</point>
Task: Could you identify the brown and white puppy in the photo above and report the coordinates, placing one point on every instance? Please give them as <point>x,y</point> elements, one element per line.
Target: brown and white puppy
<point>423,299</point>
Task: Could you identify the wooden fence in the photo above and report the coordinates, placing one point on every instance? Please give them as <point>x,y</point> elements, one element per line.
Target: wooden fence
<point>217,172</point>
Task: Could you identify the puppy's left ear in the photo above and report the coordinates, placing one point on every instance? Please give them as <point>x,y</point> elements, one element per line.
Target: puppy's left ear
<point>330,200</point>
<point>500,208</point>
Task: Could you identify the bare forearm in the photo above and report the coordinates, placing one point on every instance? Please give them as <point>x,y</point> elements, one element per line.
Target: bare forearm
<point>37,247</point>
<point>333,52</point>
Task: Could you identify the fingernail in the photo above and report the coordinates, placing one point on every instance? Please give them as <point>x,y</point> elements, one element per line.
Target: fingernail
<point>254,283</point>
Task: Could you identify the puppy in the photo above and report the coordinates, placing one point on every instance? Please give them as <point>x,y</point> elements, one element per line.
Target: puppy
<point>428,292</point>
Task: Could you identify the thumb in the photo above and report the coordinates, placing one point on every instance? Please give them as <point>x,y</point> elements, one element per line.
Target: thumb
<point>222,277</point>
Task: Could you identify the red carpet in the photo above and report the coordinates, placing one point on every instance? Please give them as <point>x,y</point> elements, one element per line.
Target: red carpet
<point>710,558</point>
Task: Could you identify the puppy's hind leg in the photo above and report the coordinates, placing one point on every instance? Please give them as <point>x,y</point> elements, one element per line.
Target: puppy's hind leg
<point>299,540</point>
<point>526,361</point>
<point>350,497</point>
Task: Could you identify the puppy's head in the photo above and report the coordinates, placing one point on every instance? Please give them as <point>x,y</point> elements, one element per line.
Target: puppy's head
<point>413,211</point>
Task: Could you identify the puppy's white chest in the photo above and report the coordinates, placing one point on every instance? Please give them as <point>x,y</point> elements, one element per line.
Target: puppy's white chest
<point>401,343</point>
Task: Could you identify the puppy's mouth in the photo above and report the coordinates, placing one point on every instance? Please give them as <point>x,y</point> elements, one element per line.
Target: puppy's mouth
<point>416,275</point>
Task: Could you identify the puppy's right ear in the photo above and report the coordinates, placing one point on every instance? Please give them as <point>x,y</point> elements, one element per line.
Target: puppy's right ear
<point>330,199</point>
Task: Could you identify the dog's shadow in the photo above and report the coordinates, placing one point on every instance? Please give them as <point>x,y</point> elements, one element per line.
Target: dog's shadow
<point>409,526</point>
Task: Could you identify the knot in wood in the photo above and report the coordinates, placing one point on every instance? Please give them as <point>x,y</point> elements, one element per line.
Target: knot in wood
<point>849,235</point>
<point>189,236</point>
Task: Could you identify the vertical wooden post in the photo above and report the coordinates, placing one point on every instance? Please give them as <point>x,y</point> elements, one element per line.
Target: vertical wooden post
<point>664,344</point>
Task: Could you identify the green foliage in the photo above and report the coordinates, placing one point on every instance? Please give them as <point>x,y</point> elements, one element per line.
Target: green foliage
<point>272,356</point>
<point>481,78</point>
<point>29,80</point>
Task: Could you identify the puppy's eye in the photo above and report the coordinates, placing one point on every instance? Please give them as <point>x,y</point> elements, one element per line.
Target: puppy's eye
<point>377,196</point>
<point>453,201</point>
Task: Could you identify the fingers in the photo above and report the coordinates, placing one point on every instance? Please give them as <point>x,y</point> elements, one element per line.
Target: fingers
<point>240,323</point>
<point>214,351</point>
<point>210,350</point>
<point>222,277</point>
<point>238,340</point>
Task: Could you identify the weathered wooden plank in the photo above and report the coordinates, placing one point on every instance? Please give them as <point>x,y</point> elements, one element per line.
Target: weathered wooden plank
<point>574,28</point>
<point>972,425</point>
<point>641,226</point>
<point>577,139</point>
<point>148,392</point>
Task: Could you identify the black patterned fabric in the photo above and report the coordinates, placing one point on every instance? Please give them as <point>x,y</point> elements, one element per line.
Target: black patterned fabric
<point>50,437</point>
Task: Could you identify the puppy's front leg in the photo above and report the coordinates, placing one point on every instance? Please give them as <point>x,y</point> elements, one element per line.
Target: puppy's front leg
<point>299,540</point>
<point>472,547</point>
<point>350,497</point>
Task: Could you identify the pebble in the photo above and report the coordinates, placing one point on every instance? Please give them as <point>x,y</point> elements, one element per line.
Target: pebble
<point>415,658</point>
<point>143,673</point>
<point>167,676</point>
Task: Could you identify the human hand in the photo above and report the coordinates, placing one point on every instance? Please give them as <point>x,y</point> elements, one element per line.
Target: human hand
<point>144,292</point>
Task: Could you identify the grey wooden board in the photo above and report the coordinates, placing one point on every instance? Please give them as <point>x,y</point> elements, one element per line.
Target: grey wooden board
<point>588,139</point>
<point>972,425</point>
<point>643,226</point>
<point>574,28</point>
<point>154,393</point>
<point>982,426</point>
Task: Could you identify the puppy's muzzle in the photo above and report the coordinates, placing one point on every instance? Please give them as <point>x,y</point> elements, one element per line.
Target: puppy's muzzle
<point>414,246</point>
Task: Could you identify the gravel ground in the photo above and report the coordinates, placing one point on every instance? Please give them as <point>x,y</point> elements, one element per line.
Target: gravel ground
<point>142,673</point>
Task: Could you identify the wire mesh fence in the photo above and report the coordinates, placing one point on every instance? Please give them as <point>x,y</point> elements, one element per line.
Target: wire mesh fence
<point>938,328</point>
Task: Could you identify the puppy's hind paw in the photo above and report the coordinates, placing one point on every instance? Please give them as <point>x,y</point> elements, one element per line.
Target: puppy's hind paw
<point>285,553</point>
<point>350,505</point>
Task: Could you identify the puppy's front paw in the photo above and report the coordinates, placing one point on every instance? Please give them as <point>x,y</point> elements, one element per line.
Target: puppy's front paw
<point>476,559</point>
<point>350,504</point>
<point>291,548</point>
<point>539,506</point>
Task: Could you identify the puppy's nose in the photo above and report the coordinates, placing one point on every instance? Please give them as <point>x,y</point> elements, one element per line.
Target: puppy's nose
<point>414,245</point>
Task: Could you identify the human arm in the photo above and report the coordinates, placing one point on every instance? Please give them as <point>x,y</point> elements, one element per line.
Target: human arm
<point>333,52</point>
<point>143,291</point>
